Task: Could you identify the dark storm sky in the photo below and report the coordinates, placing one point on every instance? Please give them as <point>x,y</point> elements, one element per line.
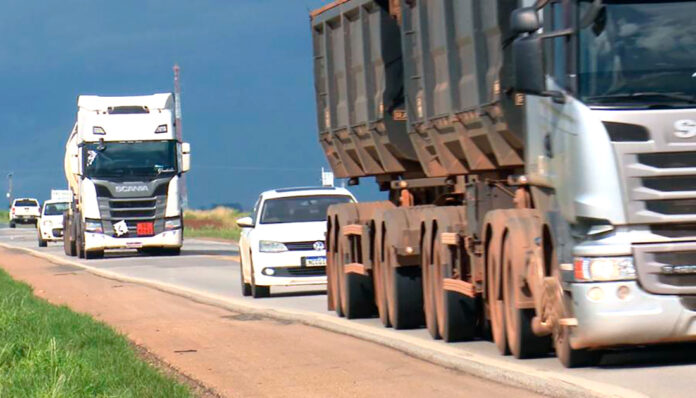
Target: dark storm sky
<point>248,101</point>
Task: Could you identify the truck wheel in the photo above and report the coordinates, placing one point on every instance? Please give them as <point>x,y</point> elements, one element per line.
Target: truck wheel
<point>572,358</point>
<point>246,287</point>
<point>456,313</point>
<point>495,306</point>
<point>356,290</point>
<point>521,339</point>
<point>79,239</point>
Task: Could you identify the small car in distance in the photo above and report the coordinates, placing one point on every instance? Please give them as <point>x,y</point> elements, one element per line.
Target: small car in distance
<point>282,242</point>
<point>50,224</point>
<point>24,211</point>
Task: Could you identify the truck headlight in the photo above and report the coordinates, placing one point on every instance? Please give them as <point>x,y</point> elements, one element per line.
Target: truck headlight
<point>172,223</point>
<point>93,226</point>
<point>597,269</point>
<point>269,246</point>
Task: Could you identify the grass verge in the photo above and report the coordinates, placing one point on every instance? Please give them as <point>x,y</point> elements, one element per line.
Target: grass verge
<point>4,216</point>
<point>217,223</point>
<point>49,351</point>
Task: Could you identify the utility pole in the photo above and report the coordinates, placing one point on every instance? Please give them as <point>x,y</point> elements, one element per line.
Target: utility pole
<point>177,115</point>
<point>9,189</point>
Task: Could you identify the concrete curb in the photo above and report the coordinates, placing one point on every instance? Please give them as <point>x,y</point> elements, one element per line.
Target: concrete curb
<point>552,384</point>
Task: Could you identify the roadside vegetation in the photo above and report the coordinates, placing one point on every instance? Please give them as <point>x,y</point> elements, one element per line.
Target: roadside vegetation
<point>216,223</point>
<point>49,351</point>
<point>4,216</point>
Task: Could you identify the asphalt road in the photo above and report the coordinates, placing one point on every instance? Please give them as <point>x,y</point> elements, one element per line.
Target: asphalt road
<point>662,371</point>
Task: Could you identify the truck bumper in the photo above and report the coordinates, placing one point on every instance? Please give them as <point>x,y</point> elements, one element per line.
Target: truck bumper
<point>639,318</point>
<point>169,239</point>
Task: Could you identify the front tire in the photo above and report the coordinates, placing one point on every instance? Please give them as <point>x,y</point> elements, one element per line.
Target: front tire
<point>246,287</point>
<point>256,290</point>
<point>94,254</point>
<point>42,242</point>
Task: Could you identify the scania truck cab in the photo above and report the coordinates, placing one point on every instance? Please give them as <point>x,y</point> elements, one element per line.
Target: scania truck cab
<point>123,163</point>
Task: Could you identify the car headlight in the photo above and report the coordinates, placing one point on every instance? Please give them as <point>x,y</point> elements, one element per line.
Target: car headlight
<point>93,226</point>
<point>269,246</point>
<point>172,223</point>
<point>594,269</point>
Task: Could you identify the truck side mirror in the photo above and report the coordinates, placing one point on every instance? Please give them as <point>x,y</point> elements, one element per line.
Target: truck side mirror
<point>524,20</point>
<point>185,157</point>
<point>245,222</point>
<point>527,53</point>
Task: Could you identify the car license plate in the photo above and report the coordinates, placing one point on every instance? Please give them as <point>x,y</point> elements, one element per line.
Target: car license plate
<point>319,261</point>
<point>145,228</point>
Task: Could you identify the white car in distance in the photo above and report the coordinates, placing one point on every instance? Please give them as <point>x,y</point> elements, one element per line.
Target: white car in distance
<point>282,243</point>
<point>24,211</point>
<point>50,224</point>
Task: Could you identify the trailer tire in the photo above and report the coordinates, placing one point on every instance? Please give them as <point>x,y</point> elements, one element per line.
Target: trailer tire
<point>356,290</point>
<point>496,309</point>
<point>522,341</point>
<point>456,313</point>
<point>428,290</point>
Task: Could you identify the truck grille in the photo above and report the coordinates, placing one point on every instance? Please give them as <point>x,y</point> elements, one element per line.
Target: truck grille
<point>132,211</point>
<point>667,268</point>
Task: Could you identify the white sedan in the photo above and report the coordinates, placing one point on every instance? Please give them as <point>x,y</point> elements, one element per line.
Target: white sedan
<point>282,243</point>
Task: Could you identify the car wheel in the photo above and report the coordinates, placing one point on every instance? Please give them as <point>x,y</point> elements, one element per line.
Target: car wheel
<point>259,291</point>
<point>42,242</point>
<point>12,224</point>
<point>246,287</point>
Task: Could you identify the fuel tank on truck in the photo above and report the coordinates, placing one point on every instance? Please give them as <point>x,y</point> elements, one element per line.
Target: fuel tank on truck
<point>461,117</point>
<point>359,83</point>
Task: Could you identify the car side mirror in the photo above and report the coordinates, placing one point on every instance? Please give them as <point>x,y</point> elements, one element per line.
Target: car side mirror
<point>185,157</point>
<point>245,222</point>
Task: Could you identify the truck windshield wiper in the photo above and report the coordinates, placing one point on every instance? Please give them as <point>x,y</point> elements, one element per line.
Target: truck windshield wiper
<point>679,97</point>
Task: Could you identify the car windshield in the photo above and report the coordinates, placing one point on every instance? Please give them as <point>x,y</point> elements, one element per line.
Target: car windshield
<point>130,159</point>
<point>26,203</point>
<point>55,209</point>
<point>639,52</point>
<point>300,208</point>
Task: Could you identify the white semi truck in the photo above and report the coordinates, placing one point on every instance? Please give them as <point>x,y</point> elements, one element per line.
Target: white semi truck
<point>123,163</point>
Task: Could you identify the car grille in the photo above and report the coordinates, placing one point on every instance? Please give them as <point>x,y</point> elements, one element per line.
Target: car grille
<point>300,271</point>
<point>294,246</point>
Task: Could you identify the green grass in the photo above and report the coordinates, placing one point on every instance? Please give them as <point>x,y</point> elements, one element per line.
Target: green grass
<point>217,223</point>
<point>49,351</point>
<point>4,216</point>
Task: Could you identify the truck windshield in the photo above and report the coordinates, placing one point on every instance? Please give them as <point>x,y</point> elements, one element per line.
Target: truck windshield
<point>55,209</point>
<point>299,209</point>
<point>129,159</point>
<point>639,53</point>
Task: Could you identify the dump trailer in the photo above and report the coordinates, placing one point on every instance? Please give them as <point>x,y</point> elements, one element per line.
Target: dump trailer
<point>123,164</point>
<point>540,164</point>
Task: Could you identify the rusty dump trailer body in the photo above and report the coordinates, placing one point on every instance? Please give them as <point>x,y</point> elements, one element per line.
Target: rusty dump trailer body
<point>525,202</point>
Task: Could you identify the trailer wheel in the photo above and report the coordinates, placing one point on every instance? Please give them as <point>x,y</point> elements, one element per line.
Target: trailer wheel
<point>521,339</point>
<point>495,306</point>
<point>404,291</point>
<point>428,289</point>
<point>356,290</point>
<point>456,313</point>
<point>378,273</point>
